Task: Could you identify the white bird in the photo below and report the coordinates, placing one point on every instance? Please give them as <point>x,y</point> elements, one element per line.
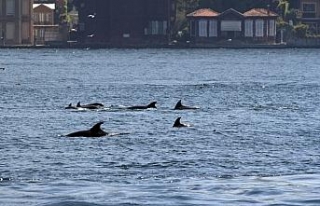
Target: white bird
<point>92,16</point>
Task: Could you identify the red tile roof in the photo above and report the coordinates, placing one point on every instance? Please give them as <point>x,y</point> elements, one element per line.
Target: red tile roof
<point>260,12</point>
<point>203,13</point>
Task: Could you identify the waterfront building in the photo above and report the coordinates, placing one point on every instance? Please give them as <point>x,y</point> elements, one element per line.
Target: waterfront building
<point>16,22</point>
<point>257,25</point>
<point>45,29</point>
<point>125,22</point>
<point>309,13</point>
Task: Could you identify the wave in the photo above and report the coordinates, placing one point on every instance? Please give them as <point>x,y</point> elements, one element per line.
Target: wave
<point>77,203</point>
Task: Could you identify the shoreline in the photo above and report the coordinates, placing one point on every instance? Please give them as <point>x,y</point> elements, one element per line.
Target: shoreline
<point>174,46</point>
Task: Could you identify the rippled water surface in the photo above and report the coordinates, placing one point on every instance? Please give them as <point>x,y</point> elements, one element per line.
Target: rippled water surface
<point>254,140</point>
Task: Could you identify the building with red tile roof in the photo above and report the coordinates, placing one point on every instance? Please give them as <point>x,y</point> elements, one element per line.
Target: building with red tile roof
<point>256,25</point>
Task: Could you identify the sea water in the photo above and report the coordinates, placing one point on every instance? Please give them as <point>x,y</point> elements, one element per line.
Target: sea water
<point>253,141</point>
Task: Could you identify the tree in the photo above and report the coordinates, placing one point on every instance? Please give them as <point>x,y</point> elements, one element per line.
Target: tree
<point>300,30</point>
<point>283,5</point>
<point>184,7</point>
<point>63,7</point>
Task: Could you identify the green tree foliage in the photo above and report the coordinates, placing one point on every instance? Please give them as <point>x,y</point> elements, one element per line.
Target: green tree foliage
<point>283,6</point>
<point>300,30</point>
<point>187,5</point>
<point>184,7</point>
<point>63,7</point>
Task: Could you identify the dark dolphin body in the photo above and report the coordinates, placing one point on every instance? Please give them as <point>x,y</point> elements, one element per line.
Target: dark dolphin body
<point>96,104</point>
<point>90,106</point>
<point>180,106</point>
<point>70,106</point>
<point>151,105</point>
<point>95,131</point>
<point>177,123</point>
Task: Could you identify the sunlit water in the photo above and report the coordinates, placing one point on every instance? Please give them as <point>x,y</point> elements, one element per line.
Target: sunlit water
<point>254,140</point>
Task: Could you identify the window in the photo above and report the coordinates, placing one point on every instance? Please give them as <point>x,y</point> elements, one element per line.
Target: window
<point>42,34</point>
<point>48,18</point>
<point>213,28</point>
<point>309,10</point>
<point>156,28</point>
<point>10,31</point>
<point>1,32</point>
<point>272,31</point>
<point>41,18</point>
<point>25,31</point>
<point>248,30</point>
<point>259,28</point>
<point>35,18</point>
<point>10,10</point>
<point>165,27</point>
<point>203,28</point>
<point>25,7</point>
<point>1,7</point>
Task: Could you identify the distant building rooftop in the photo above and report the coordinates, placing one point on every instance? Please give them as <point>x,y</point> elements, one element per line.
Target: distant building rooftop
<point>50,6</point>
<point>259,12</point>
<point>255,12</point>
<point>203,13</point>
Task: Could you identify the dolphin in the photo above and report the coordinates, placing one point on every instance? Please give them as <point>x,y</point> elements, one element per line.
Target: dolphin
<point>177,123</point>
<point>90,106</point>
<point>151,105</point>
<point>95,131</point>
<point>180,106</point>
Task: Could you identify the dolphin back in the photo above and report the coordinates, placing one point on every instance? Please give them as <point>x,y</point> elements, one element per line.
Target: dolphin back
<point>83,133</point>
<point>95,131</point>
<point>151,105</point>
<point>180,106</point>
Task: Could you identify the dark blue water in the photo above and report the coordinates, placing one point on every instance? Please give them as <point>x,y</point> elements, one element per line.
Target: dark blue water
<point>254,140</point>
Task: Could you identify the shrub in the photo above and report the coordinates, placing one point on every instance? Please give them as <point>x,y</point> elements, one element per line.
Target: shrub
<point>300,30</point>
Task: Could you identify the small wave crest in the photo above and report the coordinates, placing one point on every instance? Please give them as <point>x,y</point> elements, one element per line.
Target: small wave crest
<point>78,203</point>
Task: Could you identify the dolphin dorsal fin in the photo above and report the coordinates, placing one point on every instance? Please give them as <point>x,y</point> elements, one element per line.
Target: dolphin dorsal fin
<point>70,105</point>
<point>78,104</point>
<point>96,127</point>
<point>178,105</point>
<point>177,123</point>
<point>152,105</point>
